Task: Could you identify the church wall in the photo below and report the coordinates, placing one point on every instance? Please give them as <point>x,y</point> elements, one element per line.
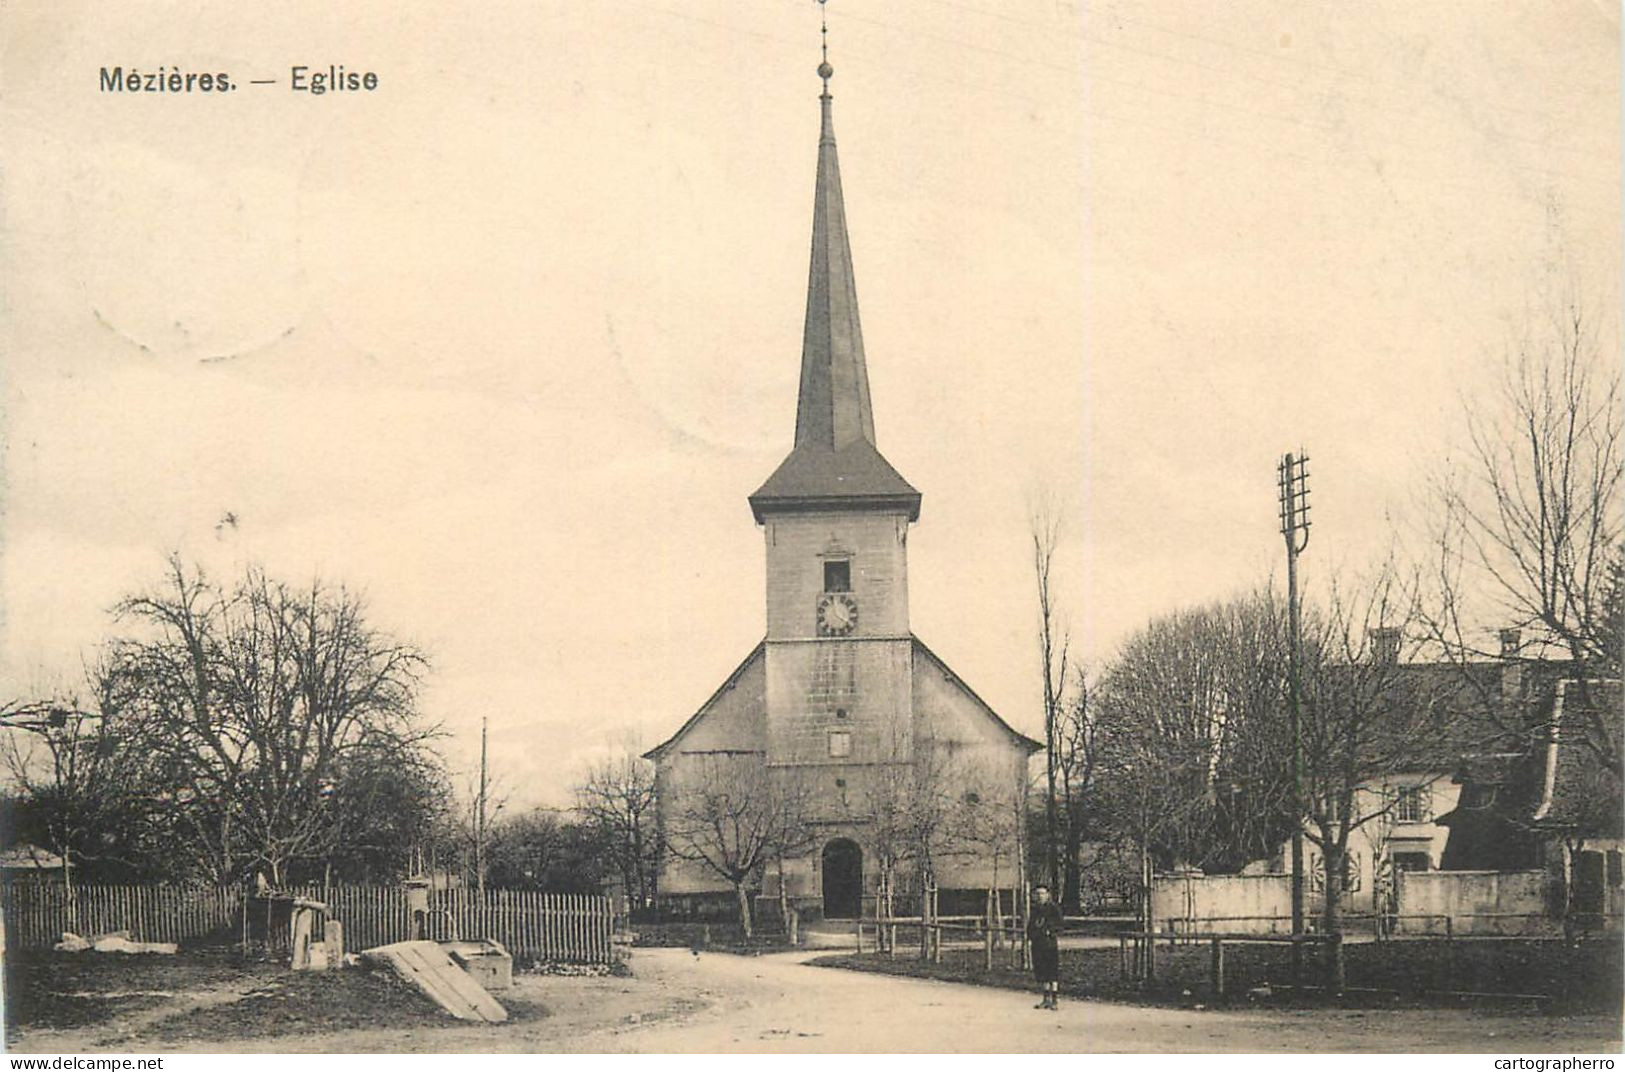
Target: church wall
<point>733,722</point>
<point>858,688</point>
<point>976,756</point>
<point>799,544</point>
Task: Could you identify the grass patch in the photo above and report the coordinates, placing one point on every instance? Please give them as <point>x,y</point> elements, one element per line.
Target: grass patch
<point>709,937</point>
<point>1411,973</point>
<point>298,1003</point>
<point>60,991</point>
<point>63,991</point>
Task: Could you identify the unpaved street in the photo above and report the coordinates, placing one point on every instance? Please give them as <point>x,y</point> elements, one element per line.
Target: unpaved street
<point>717,1002</point>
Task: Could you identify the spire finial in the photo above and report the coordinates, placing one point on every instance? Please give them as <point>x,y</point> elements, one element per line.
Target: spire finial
<point>824,69</point>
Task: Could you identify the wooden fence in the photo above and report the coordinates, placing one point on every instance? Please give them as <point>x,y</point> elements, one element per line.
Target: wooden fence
<point>530,924</point>
<point>37,913</point>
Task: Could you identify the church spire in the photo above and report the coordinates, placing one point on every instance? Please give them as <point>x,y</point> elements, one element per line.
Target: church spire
<point>834,463</point>
<point>833,407</point>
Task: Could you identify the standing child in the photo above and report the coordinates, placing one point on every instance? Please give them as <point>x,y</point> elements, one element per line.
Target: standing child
<point>1043,933</point>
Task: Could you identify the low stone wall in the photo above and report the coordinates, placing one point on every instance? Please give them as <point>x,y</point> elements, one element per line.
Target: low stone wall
<point>1248,904</point>
<point>1476,902</point>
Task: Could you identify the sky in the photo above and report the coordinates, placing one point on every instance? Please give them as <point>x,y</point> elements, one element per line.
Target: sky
<point>505,343</point>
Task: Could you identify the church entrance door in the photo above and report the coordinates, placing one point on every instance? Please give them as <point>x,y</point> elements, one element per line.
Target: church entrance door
<point>843,879</point>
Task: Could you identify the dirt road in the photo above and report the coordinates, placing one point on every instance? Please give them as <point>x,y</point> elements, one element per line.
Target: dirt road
<point>717,1002</point>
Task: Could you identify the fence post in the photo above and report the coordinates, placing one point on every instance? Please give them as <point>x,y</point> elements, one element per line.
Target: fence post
<point>1218,968</point>
<point>1122,957</point>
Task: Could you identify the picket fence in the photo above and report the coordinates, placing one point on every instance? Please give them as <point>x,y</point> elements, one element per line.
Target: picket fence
<point>533,926</point>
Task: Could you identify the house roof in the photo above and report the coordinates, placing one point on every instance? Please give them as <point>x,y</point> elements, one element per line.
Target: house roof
<point>29,858</point>
<point>834,461</point>
<point>1443,711</point>
<point>1575,792</point>
<point>1557,783</point>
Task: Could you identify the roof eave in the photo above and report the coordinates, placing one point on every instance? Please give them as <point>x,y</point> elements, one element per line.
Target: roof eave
<point>763,505</point>
<point>660,749</point>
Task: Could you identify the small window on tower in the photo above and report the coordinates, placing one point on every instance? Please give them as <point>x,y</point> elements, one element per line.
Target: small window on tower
<point>838,576</point>
<point>840,744</point>
<point>840,712</point>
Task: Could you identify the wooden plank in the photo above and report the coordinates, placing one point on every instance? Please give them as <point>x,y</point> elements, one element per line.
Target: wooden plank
<point>426,966</point>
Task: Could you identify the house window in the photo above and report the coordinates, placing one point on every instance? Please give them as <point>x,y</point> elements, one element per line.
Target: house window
<point>840,744</point>
<point>1616,868</point>
<point>840,712</point>
<point>972,797</point>
<point>838,576</point>
<point>840,783</point>
<point>1412,861</point>
<point>1412,805</point>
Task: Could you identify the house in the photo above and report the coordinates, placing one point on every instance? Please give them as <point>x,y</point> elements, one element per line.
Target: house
<point>1447,710</point>
<point>32,863</point>
<point>1551,806</point>
<point>840,699</point>
<point>1505,782</point>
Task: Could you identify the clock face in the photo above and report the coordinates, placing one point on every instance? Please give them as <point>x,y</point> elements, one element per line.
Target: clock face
<point>837,614</point>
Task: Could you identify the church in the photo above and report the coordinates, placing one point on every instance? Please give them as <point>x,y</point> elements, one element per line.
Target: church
<point>897,767</point>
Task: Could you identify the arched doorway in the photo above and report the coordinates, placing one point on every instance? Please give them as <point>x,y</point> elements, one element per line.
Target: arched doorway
<point>843,879</point>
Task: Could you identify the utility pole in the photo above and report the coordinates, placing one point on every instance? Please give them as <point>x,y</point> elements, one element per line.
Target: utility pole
<point>1292,476</point>
<point>479,820</point>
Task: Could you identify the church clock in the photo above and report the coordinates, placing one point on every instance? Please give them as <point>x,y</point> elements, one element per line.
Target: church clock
<point>837,614</point>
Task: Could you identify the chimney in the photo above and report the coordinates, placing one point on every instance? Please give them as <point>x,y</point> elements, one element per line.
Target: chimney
<point>1511,664</point>
<point>1385,645</point>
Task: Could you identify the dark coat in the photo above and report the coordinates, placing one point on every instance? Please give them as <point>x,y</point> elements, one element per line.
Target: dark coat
<point>1043,931</point>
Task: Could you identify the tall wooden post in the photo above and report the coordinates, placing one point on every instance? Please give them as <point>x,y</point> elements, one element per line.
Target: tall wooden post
<point>1293,481</point>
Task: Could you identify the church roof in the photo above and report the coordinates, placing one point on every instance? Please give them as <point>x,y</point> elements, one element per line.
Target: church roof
<point>834,460</point>
<point>664,746</point>
<point>856,475</point>
<point>1020,738</point>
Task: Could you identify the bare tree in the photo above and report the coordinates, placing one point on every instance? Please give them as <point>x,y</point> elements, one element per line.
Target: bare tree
<point>1046,524</point>
<point>1533,522</point>
<point>1190,713</point>
<point>618,796</point>
<point>386,799</point>
<point>731,813</point>
<point>84,789</point>
<point>1077,761</point>
<point>250,700</point>
<point>1364,715</point>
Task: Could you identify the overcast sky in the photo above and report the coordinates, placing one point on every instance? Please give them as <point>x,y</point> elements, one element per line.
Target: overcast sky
<point>507,342</point>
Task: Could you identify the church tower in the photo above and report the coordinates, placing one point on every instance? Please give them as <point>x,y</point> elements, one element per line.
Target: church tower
<point>803,737</point>
<point>835,516</point>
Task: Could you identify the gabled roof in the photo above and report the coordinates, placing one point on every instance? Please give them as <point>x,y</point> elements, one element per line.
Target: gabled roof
<point>1020,738</point>
<point>739,671</point>
<point>1558,784</point>
<point>834,462</point>
<point>921,651</point>
<point>1575,791</point>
